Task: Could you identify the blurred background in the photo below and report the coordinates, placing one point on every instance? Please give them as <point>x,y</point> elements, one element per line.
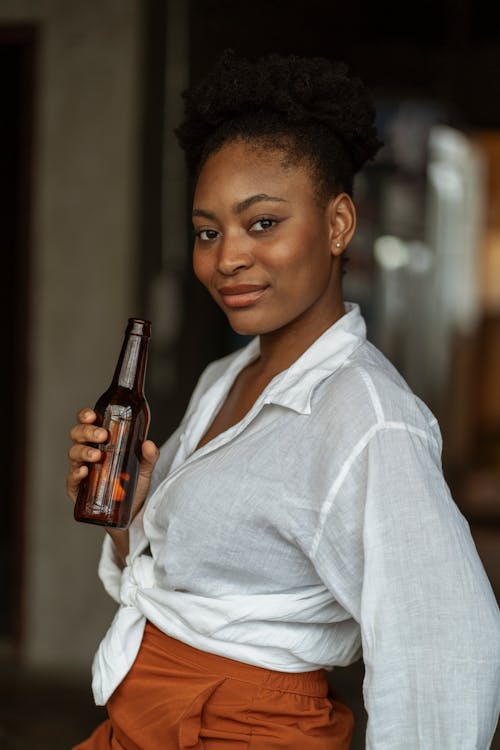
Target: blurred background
<point>95,229</point>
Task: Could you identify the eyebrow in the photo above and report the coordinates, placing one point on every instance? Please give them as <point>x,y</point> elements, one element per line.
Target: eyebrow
<point>238,208</point>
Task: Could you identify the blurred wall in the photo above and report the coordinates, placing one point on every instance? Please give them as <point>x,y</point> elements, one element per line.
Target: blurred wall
<point>86,160</point>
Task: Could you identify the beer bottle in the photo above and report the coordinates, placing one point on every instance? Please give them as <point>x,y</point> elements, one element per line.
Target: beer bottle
<point>105,495</point>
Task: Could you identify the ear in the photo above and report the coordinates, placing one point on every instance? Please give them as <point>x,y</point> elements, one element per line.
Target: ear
<point>342,222</point>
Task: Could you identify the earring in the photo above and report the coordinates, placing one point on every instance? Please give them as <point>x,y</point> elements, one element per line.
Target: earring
<point>338,244</point>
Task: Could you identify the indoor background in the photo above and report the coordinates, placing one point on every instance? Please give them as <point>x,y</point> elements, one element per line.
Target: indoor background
<point>95,229</point>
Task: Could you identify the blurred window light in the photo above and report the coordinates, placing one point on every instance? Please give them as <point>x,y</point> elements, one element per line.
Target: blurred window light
<point>447,180</point>
<point>421,258</point>
<point>391,253</point>
<point>394,253</point>
<point>456,195</point>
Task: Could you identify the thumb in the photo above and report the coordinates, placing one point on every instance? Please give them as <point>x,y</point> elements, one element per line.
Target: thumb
<point>150,455</point>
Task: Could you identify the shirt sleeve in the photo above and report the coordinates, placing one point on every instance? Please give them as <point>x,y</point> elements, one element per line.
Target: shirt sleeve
<point>110,568</point>
<point>408,570</point>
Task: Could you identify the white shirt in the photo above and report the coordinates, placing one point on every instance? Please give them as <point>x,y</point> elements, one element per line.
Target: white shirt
<point>317,529</point>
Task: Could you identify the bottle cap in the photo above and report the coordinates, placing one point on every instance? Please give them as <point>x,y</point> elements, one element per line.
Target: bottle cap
<point>139,327</point>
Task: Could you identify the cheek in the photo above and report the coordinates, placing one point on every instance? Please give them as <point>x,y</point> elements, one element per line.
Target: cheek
<point>303,263</point>
<point>201,267</point>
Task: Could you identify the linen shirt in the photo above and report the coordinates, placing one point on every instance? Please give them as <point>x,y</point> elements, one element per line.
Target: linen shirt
<point>317,529</point>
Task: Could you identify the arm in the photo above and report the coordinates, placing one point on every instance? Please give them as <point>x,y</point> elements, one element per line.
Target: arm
<point>429,622</point>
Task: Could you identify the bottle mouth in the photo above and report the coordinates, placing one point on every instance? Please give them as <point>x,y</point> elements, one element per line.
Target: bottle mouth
<point>139,327</point>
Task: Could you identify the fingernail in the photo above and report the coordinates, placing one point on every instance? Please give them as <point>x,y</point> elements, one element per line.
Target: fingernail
<point>99,433</point>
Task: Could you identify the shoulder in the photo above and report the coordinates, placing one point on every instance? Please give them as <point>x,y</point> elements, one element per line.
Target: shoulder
<point>368,392</point>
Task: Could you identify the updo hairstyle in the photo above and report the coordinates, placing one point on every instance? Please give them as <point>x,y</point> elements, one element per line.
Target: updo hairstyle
<point>310,108</point>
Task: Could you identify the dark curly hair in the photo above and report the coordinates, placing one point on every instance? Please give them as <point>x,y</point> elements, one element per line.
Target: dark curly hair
<point>308,107</point>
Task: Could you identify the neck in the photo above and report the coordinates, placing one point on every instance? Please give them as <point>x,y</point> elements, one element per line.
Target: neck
<point>280,349</point>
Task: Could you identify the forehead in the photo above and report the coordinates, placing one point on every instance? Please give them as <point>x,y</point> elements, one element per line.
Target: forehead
<point>239,167</point>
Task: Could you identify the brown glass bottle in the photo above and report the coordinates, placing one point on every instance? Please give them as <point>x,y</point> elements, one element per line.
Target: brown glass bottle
<point>106,494</point>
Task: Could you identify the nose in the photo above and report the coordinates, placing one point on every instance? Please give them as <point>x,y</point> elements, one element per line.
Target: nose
<point>233,256</point>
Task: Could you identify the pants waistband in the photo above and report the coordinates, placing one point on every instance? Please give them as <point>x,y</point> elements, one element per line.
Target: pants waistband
<point>312,683</point>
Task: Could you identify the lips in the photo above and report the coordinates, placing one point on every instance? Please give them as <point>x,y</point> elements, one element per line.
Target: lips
<point>242,295</point>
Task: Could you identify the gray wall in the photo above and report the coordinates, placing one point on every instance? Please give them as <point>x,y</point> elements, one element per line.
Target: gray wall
<point>86,161</point>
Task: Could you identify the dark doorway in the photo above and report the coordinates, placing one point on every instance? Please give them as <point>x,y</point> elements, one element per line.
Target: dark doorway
<point>17,52</point>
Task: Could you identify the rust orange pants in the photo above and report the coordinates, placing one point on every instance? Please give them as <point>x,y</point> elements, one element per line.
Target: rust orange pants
<point>177,697</point>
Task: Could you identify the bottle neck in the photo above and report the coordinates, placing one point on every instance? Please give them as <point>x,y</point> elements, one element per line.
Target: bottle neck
<point>131,366</point>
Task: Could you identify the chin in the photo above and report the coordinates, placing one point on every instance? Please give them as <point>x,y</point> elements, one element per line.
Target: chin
<point>251,327</point>
<point>246,330</point>
<point>256,320</point>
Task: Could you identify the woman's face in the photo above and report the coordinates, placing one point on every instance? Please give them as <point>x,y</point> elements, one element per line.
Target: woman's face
<point>264,248</point>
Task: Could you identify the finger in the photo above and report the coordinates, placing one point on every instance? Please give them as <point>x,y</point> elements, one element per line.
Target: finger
<point>81,433</point>
<point>79,454</point>
<point>73,481</point>
<point>86,415</point>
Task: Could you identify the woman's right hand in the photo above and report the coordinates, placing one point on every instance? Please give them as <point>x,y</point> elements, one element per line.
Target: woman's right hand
<point>81,454</point>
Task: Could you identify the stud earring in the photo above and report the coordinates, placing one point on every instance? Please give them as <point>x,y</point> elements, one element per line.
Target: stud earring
<point>338,244</point>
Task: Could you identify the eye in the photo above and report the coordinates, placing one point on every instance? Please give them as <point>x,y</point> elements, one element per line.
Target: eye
<point>263,225</point>
<point>206,235</point>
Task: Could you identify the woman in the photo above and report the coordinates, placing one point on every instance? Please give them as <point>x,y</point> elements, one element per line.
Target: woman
<point>298,517</point>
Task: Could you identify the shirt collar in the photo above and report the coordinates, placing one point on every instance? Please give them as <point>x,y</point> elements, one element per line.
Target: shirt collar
<point>293,388</point>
